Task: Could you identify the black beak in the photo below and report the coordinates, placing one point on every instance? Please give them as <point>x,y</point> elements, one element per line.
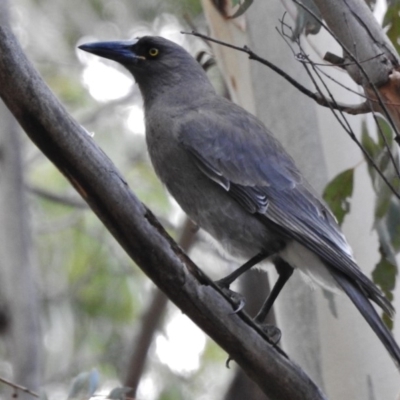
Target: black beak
<point>122,52</point>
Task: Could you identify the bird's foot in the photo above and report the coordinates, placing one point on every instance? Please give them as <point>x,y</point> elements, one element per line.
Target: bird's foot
<point>272,332</point>
<point>237,299</point>
<point>273,335</point>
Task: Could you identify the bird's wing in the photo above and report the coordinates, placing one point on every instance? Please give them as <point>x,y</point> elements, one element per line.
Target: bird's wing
<point>236,151</point>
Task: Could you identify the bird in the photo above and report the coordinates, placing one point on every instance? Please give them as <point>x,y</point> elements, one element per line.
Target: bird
<point>235,180</point>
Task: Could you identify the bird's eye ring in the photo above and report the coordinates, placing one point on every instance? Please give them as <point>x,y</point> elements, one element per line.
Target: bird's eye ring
<point>153,52</point>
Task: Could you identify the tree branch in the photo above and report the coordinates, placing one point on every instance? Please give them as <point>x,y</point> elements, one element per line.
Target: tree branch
<point>68,201</point>
<point>317,97</point>
<point>96,179</point>
<point>18,387</point>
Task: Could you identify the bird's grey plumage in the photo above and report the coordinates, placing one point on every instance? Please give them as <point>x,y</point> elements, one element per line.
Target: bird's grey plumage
<point>234,179</point>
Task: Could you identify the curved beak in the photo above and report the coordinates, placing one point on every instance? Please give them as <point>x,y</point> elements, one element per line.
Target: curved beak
<point>122,52</point>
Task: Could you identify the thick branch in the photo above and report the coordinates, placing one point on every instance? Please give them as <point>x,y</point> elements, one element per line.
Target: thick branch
<point>94,176</point>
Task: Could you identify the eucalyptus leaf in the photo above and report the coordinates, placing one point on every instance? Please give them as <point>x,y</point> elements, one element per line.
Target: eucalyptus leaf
<point>378,151</point>
<point>384,275</point>
<point>386,249</point>
<point>391,22</point>
<point>367,142</point>
<point>386,130</point>
<point>338,192</point>
<point>393,224</point>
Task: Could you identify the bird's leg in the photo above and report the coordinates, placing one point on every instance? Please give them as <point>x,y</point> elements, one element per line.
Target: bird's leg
<point>226,282</point>
<point>285,271</point>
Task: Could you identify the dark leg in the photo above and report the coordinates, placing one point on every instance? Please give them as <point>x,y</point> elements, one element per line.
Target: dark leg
<point>225,282</point>
<point>285,271</point>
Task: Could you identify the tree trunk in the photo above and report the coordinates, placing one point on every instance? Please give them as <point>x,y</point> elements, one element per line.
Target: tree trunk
<point>325,335</point>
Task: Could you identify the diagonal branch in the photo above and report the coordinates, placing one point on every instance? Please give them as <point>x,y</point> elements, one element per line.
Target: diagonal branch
<point>97,180</point>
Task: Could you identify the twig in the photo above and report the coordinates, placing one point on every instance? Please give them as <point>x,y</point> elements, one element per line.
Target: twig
<point>346,126</point>
<point>304,59</point>
<point>64,200</point>
<point>18,387</point>
<point>318,97</point>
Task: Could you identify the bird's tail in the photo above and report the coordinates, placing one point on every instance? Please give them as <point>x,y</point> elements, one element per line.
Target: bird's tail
<point>365,307</point>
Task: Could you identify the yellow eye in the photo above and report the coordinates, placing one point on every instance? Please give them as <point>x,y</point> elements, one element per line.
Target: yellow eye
<point>153,52</point>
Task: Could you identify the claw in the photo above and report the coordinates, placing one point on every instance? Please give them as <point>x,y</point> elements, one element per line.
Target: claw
<point>272,332</point>
<point>240,307</point>
<point>236,298</point>
<point>228,361</point>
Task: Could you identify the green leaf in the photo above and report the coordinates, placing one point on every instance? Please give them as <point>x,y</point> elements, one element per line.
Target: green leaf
<point>368,143</point>
<point>392,20</point>
<point>393,224</point>
<point>386,249</point>
<point>386,131</point>
<point>243,7</point>
<point>379,152</point>
<point>338,192</point>
<point>383,191</point>
<point>384,275</point>
<point>385,272</point>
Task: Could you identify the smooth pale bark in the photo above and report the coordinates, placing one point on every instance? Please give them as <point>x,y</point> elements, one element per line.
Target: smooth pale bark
<point>362,40</point>
<point>372,61</point>
<point>96,179</point>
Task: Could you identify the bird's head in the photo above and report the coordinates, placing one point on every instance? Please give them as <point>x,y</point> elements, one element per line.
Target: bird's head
<point>156,63</point>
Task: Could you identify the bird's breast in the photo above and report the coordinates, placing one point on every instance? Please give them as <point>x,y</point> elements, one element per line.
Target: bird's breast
<point>206,203</point>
